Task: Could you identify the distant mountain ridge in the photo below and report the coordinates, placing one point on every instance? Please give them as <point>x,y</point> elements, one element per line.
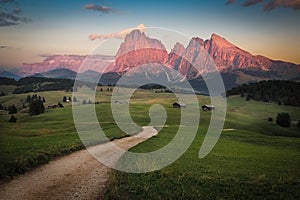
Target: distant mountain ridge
<point>71,62</point>
<point>138,49</point>
<point>8,74</point>
<point>58,73</point>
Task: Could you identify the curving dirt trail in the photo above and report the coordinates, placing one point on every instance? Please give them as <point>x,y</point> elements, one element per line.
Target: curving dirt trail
<point>76,176</point>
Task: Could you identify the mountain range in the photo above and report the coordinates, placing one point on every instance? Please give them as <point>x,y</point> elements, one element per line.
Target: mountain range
<point>198,57</point>
<point>147,58</point>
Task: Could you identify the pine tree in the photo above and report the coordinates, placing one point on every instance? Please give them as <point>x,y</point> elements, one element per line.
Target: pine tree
<point>28,99</point>
<point>12,109</point>
<point>74,99</point>
<point>36,107</point>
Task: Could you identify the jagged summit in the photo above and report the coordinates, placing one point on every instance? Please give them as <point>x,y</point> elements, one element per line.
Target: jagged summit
<point>220,41</point>
<point>178,48</point>
<point>138,49</point>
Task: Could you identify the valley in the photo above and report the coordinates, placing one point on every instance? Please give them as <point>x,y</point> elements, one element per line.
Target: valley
<point>252,152</point>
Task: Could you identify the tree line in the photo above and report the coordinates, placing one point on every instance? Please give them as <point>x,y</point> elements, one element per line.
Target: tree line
<point>34,102</point>
<point>278,91</point>
<point>39,84</point>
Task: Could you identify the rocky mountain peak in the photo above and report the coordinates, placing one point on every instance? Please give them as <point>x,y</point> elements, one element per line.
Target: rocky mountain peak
<point>135,35</point>
<point>178,48</point>
<point>175,55</point>
<point>220,41</point>
<point>138,49</point>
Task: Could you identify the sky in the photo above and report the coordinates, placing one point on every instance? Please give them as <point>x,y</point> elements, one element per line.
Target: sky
<point>30,30</point>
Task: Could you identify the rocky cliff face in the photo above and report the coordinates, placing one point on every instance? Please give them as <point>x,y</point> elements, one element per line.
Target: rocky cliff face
<point>227,57</point>
<point>192,59</point>
<point>175,55</point>
<point>138,49</point>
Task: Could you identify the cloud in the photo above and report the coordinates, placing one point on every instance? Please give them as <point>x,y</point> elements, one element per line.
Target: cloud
<point>229,2</point>
<point>17,10</point>
<point>251,2</point>
<point>270,4</point>
<point>6,1</point>
<point>11,18</point>
<point>103,9</point>
<point>118,35</point>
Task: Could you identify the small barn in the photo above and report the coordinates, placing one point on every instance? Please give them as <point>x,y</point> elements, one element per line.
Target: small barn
<point>208,107</point>
<point>179,105</point>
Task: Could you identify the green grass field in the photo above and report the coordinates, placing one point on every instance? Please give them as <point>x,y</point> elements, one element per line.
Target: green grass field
<point>35,140</point>
<point>253,159</point>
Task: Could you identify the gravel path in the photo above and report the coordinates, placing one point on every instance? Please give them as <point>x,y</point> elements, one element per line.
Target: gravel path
<point>76,176</point>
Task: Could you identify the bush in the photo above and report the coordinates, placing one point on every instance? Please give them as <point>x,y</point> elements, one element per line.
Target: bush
<point>12,109</point>
<point>283,119</point>
<point>60,105</point>
<point>270,119</point>
<point>36,107</point>
<point>64,99</point>
<point>13,119</point>
<point>74,99</point>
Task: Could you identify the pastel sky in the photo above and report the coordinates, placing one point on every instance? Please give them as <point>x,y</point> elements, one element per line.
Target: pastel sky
<point>33,29</point>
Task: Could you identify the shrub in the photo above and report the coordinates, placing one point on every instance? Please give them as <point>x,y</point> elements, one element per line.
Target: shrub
<point>283,119</point>
<point>12,109</point>
<point>64,99</point>
<point>270,119</point>
<point>13,119</point>
<point>74,99</point>
<point>36,107</point>
<point>60,105</point>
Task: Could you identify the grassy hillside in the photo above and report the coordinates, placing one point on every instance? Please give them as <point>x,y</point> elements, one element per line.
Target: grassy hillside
<point>253,159</point>
<point>34,140</point>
